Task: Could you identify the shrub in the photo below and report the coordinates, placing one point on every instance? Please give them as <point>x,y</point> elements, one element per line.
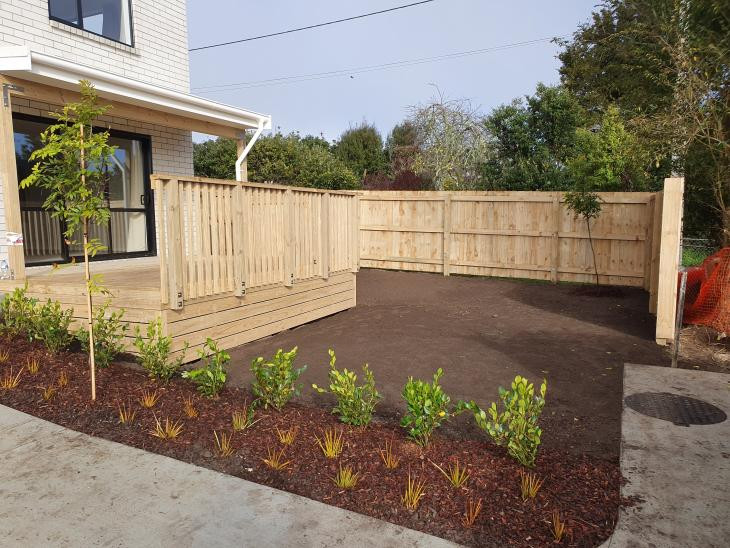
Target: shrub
<point>212,376</point>
<point>275,381</point>
<point>355,404</point>
<point>428,407</point>
<point>50,324</point>
<point>108,334</point>
<point>17,312</point>
<point>154,352</point>
<point>516,427</point>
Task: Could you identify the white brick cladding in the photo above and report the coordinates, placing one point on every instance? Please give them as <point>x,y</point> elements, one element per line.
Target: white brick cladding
<point>172,149</point>
<point>159,55</point>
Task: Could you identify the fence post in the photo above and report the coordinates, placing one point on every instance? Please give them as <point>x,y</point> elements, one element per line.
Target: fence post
<point>446,245</point>
<point>555,255</point>
<point>9,188</point>
<point>158,189</point>
<point>355,234</point>
<point>174,245</point>
<point>669,260</point>
<point>656,241</point>
<point>239,243</point>
<point>324,229</point>
<point>288,240</point>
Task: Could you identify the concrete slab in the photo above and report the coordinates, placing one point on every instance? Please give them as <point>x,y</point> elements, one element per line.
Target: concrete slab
<point>682,474</point>
<point>61,488</point>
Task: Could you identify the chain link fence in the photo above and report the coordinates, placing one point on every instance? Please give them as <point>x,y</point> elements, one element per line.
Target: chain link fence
<point>696,250</point>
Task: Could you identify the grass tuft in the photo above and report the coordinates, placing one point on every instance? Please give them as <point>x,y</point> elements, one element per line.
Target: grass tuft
<point>149,399</point>
<point>456,475</point>
<point>48,392</point>
<point>9,381</point>
<point>346,478</point>
<point>189,408</point>
<point>558,527</point>
<point>331,443</point>
<point>275,459</point>
<point>529,485</point>
<point>62,379</point>
<point>471,512</point>
<point>243,419</point>
<point>287,437</point>
<point>168,430</point>
<point>126,414</point>
<point>390,459</point>
<point>32,365</point>
<point>4,356</point>
<point>415,490</point>
<point>223,443</point>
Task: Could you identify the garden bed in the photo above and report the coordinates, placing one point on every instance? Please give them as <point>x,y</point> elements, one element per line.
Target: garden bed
<point>582,488</point>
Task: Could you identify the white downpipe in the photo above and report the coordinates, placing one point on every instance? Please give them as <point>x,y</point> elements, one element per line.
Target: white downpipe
<point>248,148</point>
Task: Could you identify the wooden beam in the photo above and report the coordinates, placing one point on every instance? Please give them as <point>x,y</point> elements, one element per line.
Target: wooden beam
<point>324,227</point>
<point>446,244</point>
<point>11,197</point>
<point>669,260</point>
<point>557,216</point>
<point>59,97</point>
<point>288,239</point>
<point>240,146</point>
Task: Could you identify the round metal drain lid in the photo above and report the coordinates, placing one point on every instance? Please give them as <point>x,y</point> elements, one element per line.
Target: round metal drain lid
<point>680,410</point>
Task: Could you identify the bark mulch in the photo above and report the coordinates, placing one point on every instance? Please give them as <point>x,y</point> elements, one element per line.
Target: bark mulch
<point>582,488</point>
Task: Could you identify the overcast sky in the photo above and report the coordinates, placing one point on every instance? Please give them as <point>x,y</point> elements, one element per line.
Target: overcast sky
<point>330,105</point>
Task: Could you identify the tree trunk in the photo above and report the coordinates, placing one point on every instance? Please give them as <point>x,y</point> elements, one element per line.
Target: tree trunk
<point>593,251</point>
<point>89,310</point>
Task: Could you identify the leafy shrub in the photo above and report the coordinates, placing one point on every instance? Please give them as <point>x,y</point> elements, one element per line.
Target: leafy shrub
<point>428,407</point>
<point>50,324</point>
<point>17,312</point>
<point>516,427</point>
<point>212,376</point>
<point>275,381</point>
<point>108,334</point>
<point>355,404</point>
<point>154,352</point>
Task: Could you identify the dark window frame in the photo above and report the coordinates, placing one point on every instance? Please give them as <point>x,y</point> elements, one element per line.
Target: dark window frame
<point>80,25</point>
<point>149,205</point>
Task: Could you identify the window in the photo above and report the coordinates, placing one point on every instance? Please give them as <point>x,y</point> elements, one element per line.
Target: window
<point>108,18</point>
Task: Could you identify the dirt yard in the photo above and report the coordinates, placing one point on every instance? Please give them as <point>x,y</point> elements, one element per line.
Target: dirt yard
<point>483,332</point>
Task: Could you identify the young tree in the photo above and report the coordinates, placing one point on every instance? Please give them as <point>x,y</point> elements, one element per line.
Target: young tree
<point>586,204</point>
<point>215,158</point>
<point>361,149</point>
<point>452,143</point>
<point>71,166</point>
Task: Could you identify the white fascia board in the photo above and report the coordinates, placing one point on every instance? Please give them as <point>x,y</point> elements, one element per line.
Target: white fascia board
<point>27,64</point>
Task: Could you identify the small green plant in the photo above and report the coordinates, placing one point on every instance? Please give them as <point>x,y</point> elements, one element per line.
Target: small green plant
<point>154,352</point>
<point>390,459</point>
<point>471,512</point>
<point>212,376</point>
<point>275,381</point>
<point>529,485</point>
<point>516,427</point>
<point>223,444</point>
<point>346,478</point>
<point>415,490</point>
<point>243,419</point>
<point>331,443</point>
<point>456,475</point>
<point>428,407</point>
<point>109,331</point>
<point>355,404</point>
<point>50,324</point>
<point>17,312</point>
<point>275,459</point>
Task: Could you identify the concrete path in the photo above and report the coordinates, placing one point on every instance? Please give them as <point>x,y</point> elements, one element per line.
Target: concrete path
<point>682,474</point>
<point>62,488</point>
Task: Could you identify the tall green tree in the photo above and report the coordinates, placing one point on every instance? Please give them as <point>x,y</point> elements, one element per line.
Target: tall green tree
<point>361,149</point>
<point>215,158</point>
<point>532,139</point>
<point>71,166</point>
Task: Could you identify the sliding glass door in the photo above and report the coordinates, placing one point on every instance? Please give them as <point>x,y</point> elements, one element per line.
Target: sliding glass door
<point>130,230</point>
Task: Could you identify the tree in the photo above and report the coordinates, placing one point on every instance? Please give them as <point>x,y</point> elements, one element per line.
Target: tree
<point>400,148</point>
<point>532,139</point>
<point>451,141</point>
<point>586,204</point>
<point>71,166</point>
<point>361,149</point>
<point>215,158</point>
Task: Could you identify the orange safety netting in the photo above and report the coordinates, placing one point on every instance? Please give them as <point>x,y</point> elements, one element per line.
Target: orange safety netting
<point>707,297</point>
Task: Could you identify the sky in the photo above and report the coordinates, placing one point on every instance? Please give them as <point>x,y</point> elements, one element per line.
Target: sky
<point>328,106</point>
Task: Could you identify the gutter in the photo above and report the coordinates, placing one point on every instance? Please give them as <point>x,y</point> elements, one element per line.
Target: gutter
<point>248,148</point>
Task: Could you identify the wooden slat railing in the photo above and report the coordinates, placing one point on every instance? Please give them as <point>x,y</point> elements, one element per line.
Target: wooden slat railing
<point>220,237</point>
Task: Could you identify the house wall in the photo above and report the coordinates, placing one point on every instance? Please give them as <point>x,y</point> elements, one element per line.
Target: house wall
<point>159,55</point>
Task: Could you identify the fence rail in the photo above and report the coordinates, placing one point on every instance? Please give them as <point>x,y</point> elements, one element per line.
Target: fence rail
<point>222,237</point>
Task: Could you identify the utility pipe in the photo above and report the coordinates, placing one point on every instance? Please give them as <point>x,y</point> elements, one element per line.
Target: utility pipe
<point>248,148</point>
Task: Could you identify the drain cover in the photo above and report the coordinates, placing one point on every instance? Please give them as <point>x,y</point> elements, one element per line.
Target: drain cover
<point>680,410</point>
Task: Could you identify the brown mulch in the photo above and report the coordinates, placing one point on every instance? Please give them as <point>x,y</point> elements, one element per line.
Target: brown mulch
<point>584,489</point>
